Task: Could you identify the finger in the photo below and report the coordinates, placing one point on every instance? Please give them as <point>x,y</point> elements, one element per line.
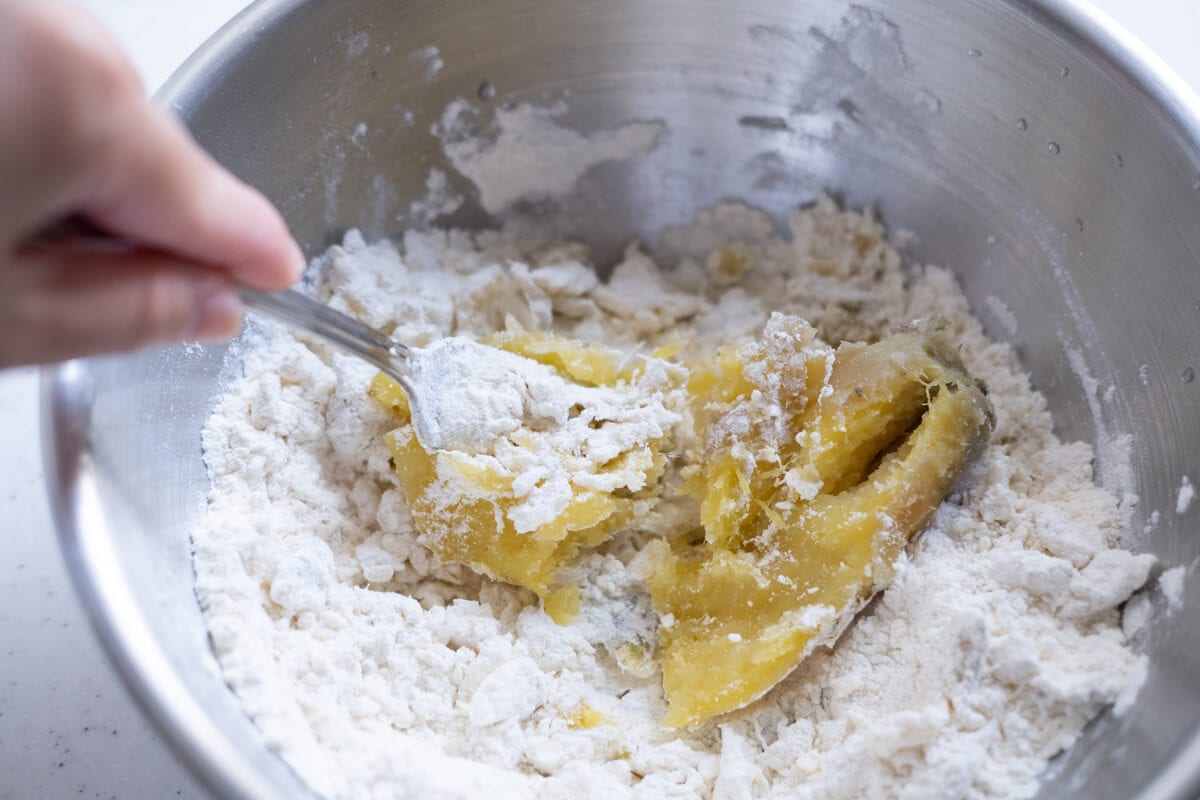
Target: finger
<point>65,305</point>
<point>83,139</point>
<point>63,86</point>
<point>161,189</point>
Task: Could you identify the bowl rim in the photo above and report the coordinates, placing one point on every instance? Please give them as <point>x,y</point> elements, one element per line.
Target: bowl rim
<point>87,544</point>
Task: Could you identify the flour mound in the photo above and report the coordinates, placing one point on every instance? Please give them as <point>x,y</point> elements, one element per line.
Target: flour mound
<point>378,672</point>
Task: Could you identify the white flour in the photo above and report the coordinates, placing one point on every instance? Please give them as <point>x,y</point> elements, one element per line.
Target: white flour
<point>1187,493</point>
<point>477,395</point>
<point>1170,583</point>
<point>379,673</point>
<point>514,416</point>
<point>531,156</point>
<point>439,200</point>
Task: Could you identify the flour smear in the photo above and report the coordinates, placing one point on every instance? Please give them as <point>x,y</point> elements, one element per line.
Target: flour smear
<point>531,156</point>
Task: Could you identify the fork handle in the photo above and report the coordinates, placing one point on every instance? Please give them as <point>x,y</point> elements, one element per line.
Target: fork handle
<point>313,316</point>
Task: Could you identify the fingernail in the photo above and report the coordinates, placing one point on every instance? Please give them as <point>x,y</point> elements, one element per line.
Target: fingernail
<point>218,312</point>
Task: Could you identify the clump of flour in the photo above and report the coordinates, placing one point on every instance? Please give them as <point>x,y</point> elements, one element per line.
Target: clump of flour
<point>1187,493</point>
<point>474,396</point>
<point>439,199</point>
<point>506,414</point>
<point>378,672</point>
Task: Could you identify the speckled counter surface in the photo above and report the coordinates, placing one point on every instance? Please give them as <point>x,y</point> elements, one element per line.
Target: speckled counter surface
<point>68,728</point>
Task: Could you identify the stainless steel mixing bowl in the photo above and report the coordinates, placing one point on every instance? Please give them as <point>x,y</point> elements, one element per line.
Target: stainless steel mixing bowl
<point>1032,146</point>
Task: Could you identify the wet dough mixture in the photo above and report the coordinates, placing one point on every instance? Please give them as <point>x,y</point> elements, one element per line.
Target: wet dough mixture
<point>379,667</point>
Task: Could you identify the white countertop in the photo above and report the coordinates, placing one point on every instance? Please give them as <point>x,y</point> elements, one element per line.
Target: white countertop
<point>67,726</point>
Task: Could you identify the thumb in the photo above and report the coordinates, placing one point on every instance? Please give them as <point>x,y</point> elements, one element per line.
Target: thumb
<point>64,305</point>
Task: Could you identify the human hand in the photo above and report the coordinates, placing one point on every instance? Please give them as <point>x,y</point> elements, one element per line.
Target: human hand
<point>79,141</point>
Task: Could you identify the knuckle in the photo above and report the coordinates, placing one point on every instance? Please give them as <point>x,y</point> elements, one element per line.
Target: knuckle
<point>112,77</point>
<point>82,46</point>
<point>101,99</point>
<point>163,310</point>
<point>85,86</point>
